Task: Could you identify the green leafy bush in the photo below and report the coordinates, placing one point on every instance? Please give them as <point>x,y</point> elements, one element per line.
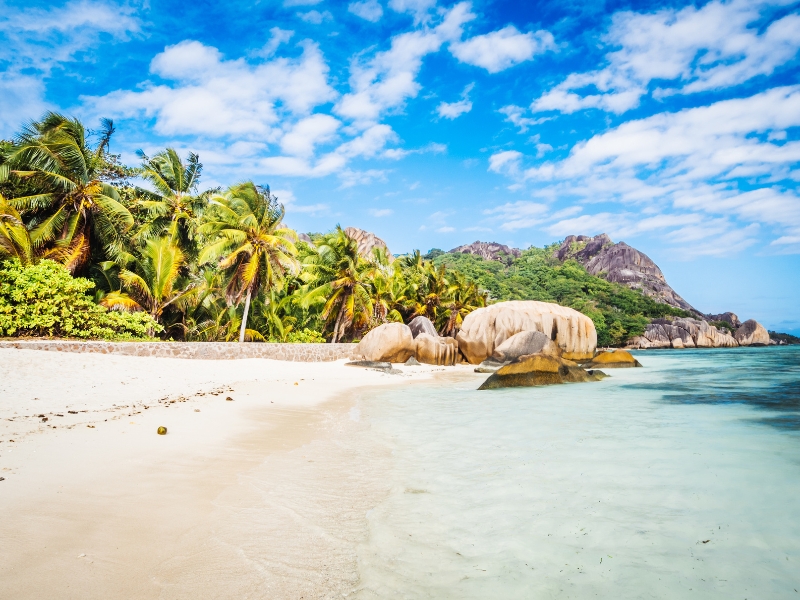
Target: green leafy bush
<point>305,336</point>
<point>44,300</point>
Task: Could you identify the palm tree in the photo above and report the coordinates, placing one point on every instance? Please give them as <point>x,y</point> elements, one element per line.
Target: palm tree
<point>71,208</point>
<point>15,242</point>
<point>153,287</point>
<point>173,206</point>
<point>250,241</point>
<point>465,297</point>
<point>341,275</point>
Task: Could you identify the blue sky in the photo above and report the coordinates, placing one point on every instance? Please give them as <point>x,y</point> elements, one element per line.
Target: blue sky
<point>670,125</point>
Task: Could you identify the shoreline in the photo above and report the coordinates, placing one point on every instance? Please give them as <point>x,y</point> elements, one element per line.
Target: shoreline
<point>262,496</point>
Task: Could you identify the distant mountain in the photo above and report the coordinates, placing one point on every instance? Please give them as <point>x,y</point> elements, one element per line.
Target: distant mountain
<point>488,250</point>
<point>623,264</point>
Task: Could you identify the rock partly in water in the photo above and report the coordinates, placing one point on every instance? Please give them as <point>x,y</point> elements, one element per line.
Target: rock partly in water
<point>616,359</point>
<point>682,333</point>
<point>430,350</point>
<point>485,329</point>
<point>488,250</point>
<point>537,369</point>
<point>752,333</point>
<point>523,344</point>
<point>390,342</point>
<point>422,325</point>
<point>489,366</point>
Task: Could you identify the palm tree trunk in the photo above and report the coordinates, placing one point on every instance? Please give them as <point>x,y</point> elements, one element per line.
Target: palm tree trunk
<point>244,317</point>
<point>342,308</point>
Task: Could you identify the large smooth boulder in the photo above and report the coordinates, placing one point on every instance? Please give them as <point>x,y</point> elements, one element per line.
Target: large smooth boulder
<point>487,328</point>
<point>752,333</point>
<point>523,344</point>
<point>422,325</point>
<point>538,369</point>
<point>430,350</point>
<point>390,342</point>
<point>616,359</point>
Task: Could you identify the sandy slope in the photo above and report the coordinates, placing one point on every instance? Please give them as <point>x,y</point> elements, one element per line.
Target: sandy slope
<point>263,496</point>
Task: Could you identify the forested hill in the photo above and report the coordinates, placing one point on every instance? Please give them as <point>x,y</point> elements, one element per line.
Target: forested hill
<point>617,311</point>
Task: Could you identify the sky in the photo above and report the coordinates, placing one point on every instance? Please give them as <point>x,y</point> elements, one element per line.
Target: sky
<point>672,126</point>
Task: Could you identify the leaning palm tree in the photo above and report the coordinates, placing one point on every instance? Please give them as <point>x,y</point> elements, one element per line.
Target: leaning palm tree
<point>15,242</point>
<point>152,286</point>
<point>338,273</point>
<point>71,208</point>
<point>172,207</point>
<point>250,241</point>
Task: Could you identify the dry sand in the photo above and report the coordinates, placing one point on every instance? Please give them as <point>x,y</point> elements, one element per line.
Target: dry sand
<point>263,496</point>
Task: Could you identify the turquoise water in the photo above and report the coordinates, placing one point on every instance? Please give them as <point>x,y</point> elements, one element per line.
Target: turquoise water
<point>677,480</point>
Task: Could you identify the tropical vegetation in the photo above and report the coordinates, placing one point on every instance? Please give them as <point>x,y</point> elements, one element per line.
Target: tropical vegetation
<point>92,248</point>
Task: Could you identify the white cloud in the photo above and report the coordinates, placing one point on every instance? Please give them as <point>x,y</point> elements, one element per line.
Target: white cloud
<point>519,215</point>
<point>722,161</point>
<point>208,94</point>
<point>506,162</point>
<point>349,178</point>
<point>314,210</point>
<point>514,114</point>
<point>369,10</point>
<point>446,229</point>
<point>315,17</point>
<point>690,50</point>
<point>285,197</point>
<point>502,49</point>
<point>384,82</point>
<point>419,8</point>
<point>453,110</point>
<point>381,212</point>
<point>290,3</point>
<point>307,133</point>
<point>34,41</point>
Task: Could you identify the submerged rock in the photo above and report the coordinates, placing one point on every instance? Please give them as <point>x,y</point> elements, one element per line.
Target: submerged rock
<point>618,359</point>
<point>485,329</point>
<point>538,369</point>
<point>490,365</point>
<point>390,342</point>
<point>369,364</point>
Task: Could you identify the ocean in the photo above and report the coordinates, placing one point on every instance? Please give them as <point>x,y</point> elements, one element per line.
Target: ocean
<point>680,479</point>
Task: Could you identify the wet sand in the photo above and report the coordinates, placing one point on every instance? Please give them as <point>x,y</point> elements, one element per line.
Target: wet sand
<point>263,496</point>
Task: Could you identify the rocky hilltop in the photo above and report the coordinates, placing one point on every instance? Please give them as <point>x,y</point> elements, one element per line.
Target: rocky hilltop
<point>367,241</point>
<point>487,250</point>
<point>623,264</point>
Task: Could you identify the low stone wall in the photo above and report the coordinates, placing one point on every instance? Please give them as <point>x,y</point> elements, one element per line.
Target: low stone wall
<point>195,350</point>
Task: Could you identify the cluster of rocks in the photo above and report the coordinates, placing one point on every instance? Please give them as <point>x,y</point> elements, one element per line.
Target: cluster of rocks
<point>519,343</point>
<point>367,241</point>
<point>695,333</point>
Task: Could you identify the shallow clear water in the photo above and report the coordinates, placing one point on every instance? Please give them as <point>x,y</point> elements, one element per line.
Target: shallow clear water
<point>680,479</point>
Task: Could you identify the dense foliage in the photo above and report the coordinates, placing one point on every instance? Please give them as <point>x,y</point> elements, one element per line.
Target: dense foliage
<point>164,257</point>
<point>617,311</point>
<point>45,300</point>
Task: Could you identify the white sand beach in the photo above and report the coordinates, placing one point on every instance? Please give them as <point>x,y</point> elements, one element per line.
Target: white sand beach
<point>257,497</point>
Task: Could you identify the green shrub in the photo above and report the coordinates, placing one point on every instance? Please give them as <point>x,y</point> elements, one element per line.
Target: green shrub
<point>305,336</point>
<point>44,300</point>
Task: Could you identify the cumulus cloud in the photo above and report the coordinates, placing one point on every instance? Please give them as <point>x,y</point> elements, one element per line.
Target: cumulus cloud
<point>369,10</point>
<point>506,162</point>
<point>315,17</point>
<point>205,93</point>
<point>419,8</point>
<point>514,114</point>
<point>502,49</point>
<point>453,110</point>
<point>684,51</point>
<point>307,133</point>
